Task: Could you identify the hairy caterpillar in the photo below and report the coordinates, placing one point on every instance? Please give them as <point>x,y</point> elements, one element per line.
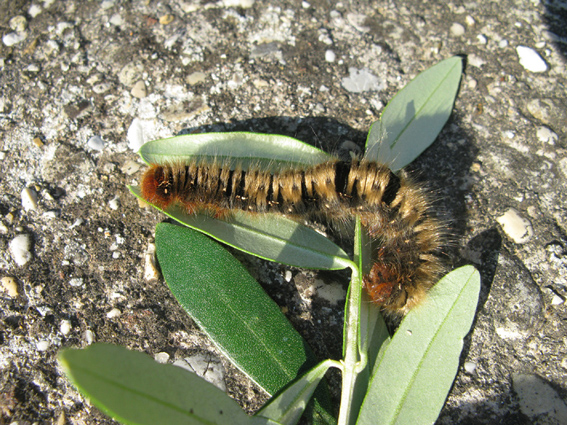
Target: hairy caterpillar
<point>393,209</point>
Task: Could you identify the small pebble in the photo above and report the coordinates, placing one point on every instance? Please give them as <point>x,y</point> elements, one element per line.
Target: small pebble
<point>113,313</point>
<point>109,167</point>
<point>89,336</point>
<point>63,26</point>
<point>161,357</point>
<point>325,39</point>
<point>482,39</point>
<point>519,229</point>
<point>34,10</point>
<point>42,345</point>
<point>457,29</point>
<point>470,367</point>
<point>76,281</point>
<point>196,77</point>
<point>130,167</point>
<point>32,68</point>
<point>333,292</point>
<point>330,56</point>
<point>166,19</point>
<point>38,142</point>
<point>10,286</point>
<point>170,42</point>
<point>135,135</point>
<point>13,38</point>
<point>288,275</point>
<point>43,310</point>
<point>20,249</point>
<point>530,59</point>
<point>116,20</point>
<point>51,48</point>
<point>61,418</point>
<point>18,23</point>
<point>76,223</point>
<point>151,271</point>
<point>475,167</point>
<point>245,4</point>
<point>469,20</point>
<point>29,199</point>
<point>102,88</point>
<point>546,135</point>
<point>557,300</point>
<point>361,80</point>
<point>96,143</point>
<point>475,60</point>
<point>65,327</point>
<point>503,44</point>
<point>107,4</point>
<point>114,203</point>
<point>139,90</point>
<point>130,73</point>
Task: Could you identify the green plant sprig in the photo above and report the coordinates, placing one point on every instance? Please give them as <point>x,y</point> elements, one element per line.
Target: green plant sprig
<point>402,379</point>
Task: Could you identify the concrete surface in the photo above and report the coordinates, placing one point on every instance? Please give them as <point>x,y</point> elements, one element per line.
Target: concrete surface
<point>82,82</point>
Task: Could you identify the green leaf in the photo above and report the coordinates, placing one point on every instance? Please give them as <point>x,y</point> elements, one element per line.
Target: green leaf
<point>270,151</point>
<point>288,406</point>
<point>234,311</point>
<point>375,338</point>
<point>372,331</point>
<point>231,307</point>
<point>417,369</point>
<point>413,119</point>
<point>267,236</point>
<point>134,389</point>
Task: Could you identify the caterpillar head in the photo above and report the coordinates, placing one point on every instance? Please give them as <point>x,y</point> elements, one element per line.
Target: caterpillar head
<point>156,187</point>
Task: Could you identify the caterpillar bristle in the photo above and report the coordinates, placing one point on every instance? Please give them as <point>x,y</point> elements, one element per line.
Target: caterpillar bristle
<point>395,211</point>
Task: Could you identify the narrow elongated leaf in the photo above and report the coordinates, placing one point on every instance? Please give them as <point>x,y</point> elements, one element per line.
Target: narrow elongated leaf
<point>230,307</point>
<point>134,389</point>
<point>373,333</point>
<point>270,151</point>
<point>288,406</point>
<point>417,369</point>
<point>234,311</point>
<point>267,236</point>
<point>413,119</point>
<point>374,339</point>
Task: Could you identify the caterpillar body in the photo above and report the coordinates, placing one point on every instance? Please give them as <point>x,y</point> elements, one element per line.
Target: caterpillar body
<point>394,210</point>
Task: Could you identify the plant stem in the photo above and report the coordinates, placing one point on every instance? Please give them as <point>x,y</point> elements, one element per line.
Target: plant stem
<point>351,353</point>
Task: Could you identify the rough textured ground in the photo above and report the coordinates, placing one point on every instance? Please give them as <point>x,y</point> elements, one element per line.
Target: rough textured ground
<point>73,70</point>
